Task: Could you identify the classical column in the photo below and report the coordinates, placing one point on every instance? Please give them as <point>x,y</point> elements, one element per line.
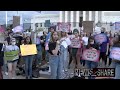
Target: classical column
<point>77,18</point>
<point>96,16</point>
<point>90,15</point>
<point>61,16</point>
<point>87,15</point>
<point>66,16</point>
<point>93,16</point>
<point>74,18</point>
<point>71,18</point>
<point>100,16</point>
<point>84,15</point>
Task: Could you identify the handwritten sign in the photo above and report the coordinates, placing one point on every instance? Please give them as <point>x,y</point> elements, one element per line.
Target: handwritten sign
<point>91,55</point>
<point>117,25</point>
<point>17,29</point>
<point>100,38</point>
<point>28,49</point>
<point>75,43</point>
<point>11,55</point>
<point>64,27</point>
<point>115,53</point>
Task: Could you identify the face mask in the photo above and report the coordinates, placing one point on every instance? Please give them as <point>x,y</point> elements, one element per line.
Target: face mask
<point>13,43</point>
<point>92,42</point>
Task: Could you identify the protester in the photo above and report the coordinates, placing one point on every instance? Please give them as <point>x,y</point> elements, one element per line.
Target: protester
<point>39,50</point>
<point>104,48</point>
<point>65,42</point>
<point>13,48</point>
<point>116,63</point>
<point>50,31</point>
<point>54,57</point>
<point>85,43</point>
<point>1,59</point>
<point>28,60</point>
<point>91,64</point>
<point>43,38</point>
<point>76,51</point>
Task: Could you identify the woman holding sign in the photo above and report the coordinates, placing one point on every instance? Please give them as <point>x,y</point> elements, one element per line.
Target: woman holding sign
<point>91,64</point>
<point>12,56</point>
<point>28,60</point>
<point>76,44</point>
<point>115,56</point>
<point>54,57</point>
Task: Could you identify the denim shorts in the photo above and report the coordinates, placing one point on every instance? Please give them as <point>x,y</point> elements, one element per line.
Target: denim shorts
<point>12,61</point>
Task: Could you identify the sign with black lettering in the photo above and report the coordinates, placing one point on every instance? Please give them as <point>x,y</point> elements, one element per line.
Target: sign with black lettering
<point>91,55</point>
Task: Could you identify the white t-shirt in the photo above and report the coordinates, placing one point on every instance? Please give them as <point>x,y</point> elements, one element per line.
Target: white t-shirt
<point>85,40</point>
<point>66,42</point>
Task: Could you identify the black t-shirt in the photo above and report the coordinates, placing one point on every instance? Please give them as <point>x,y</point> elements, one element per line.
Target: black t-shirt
<point>52,46</point>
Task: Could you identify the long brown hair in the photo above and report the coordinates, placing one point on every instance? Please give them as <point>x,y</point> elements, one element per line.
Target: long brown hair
<point>51,38</point>
<point>26,40</point>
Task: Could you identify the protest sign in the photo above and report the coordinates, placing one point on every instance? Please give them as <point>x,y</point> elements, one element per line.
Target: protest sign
<point>11,55</point>
<point>17,29</point>
<point>91,55</point>
<point>117,25</point>
<point>75,43</point>
<point>115,53</point>
<point>28,49</point>
<point>63,27</point>
<point>100,38</point>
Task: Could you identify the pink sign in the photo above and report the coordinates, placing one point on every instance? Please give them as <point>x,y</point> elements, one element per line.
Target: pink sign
<point>100,38</point>
<point>115,53</point>
<point>75,43</point>
<point>1,29</point>
<point>64,27</point>
<point>91,55</point>
<point>18,29</point>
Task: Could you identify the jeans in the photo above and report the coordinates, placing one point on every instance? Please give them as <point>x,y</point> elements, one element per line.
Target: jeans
<point>91,65</point>
<point>64,57</point>
<point>56,67</point>
<point>39,54</point>
<point>116,65</point>
<point>28,65</point>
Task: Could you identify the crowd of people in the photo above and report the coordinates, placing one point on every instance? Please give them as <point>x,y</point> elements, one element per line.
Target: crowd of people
<point>55,47</point>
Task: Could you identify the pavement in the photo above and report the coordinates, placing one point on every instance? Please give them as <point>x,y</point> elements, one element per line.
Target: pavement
<point>46,74</point>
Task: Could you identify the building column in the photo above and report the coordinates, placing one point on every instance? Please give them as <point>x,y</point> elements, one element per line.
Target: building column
<point>71,19</point>
<point>84,15</point>
<point>77,18</point>
<point>74,18</point>
<point>61,16</point>
<point>87,15</point>
<point>93,16</point>
<point>96,16</point>
<point>66,16</point>
<point>100,16</point>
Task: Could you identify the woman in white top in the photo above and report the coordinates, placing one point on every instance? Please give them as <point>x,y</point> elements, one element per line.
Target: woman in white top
<point>12,58</point>
<point>85,43</point>
<point>65,42</point>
